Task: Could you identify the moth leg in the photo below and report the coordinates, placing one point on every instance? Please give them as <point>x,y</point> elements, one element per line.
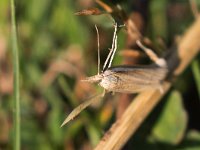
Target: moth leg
<point>159,61</point>
<point>108,57</point>
<point>112,50</point>
<point>113,53</point>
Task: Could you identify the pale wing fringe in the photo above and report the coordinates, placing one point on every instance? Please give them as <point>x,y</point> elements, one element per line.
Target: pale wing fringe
<point>81,107</point>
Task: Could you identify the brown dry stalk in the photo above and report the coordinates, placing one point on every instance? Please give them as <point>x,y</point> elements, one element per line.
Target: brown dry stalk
<point>143,104</point>
<point>104,6</point>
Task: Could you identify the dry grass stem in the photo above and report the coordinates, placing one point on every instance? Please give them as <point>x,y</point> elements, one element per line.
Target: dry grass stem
<point>104,5</point>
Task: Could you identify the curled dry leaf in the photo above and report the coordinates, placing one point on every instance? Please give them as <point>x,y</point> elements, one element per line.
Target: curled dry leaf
<point>89,11</point>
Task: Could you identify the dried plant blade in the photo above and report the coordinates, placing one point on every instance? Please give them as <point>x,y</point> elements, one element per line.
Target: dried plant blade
<point>159,61</point>
<point>81,107</point>
<point>89,11</point>
<point>104,6</point>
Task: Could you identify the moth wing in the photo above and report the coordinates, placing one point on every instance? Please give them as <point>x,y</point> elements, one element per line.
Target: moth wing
<point>149,74</point>
<point>141,76</point>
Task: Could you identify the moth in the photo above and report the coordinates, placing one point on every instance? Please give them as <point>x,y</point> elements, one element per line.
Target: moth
<point>124,79</point>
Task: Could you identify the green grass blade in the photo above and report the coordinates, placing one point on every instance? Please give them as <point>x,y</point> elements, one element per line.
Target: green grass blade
<point>16,79</point>
<point>196,73</point>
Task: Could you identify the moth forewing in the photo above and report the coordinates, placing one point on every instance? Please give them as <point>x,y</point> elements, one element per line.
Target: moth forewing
<point>130,79</point>
<point>143,72</point>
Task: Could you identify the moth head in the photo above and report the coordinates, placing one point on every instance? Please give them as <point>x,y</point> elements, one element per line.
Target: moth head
<point>94,79</point>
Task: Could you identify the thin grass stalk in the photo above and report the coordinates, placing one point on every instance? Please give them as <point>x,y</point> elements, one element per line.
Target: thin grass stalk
<point>16,78</point>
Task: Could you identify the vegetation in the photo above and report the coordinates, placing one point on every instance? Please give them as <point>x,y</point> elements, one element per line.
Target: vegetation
<point>57,49</point>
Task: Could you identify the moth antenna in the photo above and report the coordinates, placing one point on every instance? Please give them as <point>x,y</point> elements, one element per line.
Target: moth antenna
<point>159,61</point>
<point>98,49</point>
<point>113,49</point>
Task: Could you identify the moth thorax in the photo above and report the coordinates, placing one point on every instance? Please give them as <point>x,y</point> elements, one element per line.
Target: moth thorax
<point>109,81</point>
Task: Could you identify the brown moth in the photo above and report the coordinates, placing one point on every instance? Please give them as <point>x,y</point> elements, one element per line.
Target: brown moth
<point>130,79</point>
<point>125,79</point>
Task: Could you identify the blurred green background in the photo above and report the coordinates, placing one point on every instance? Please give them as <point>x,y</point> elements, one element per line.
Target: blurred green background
<point>58,49</point>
